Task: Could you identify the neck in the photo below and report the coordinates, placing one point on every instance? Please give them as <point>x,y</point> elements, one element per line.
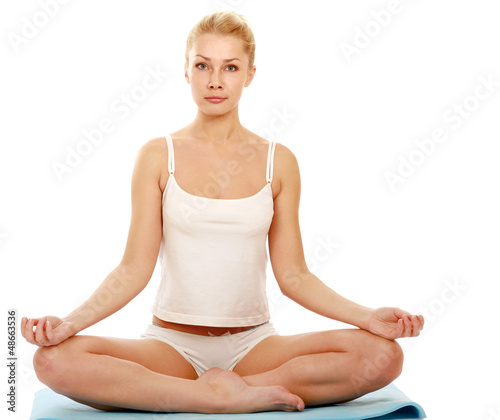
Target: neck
<point>218,129</point>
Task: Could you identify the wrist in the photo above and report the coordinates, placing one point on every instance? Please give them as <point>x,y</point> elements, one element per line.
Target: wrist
<point>73,323</point>
<point>363,317</point>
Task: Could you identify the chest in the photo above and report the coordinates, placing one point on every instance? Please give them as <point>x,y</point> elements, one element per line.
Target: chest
<point>234,175</point>
<point>217,219</point>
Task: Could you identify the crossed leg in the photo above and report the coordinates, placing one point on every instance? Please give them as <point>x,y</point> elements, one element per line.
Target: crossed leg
<point>324,367</point>
<point>145,374</point>
<point>319,367</point>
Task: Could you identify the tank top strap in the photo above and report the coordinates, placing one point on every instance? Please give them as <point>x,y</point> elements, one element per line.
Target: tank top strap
<point>270,161</point>
<point>171,159</point>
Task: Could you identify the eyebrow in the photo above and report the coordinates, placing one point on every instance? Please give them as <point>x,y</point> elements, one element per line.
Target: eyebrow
<point>225,60</point>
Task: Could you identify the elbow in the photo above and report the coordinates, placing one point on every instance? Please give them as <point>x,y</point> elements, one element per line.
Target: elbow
<point>132,276</point>
<point>290,290</point>
<point>292,281</point>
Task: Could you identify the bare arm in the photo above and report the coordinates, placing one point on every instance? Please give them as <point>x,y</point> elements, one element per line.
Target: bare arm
<point>299,284</point>
<point>134,271</point>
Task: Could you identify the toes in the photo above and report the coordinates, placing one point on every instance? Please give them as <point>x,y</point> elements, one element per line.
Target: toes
<point>287,401</point>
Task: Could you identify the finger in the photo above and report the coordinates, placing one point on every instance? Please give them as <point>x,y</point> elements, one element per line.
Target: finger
<point>24,321</point>
<point>28,331</point>
<point>40,333</point>
<point>400,329</point>
<point>49,332</point>
<point>416,327</point>
<point>394,332</point>
<point>400,313</point>
<point>420,319</point>
<point>407,323</point>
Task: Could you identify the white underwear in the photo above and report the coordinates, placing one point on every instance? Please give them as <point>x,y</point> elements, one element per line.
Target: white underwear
<point>206,352</point>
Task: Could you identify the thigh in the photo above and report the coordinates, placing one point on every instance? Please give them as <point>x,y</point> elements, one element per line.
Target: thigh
<point>273,351</point>
<point>153,354</point>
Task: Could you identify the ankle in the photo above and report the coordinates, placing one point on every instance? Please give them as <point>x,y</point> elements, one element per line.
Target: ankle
<point>212,392</point>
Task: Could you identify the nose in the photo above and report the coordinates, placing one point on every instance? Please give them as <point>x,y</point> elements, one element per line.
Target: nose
<point>215,82</point>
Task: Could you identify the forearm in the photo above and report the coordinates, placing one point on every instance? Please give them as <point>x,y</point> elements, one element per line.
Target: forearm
<point>117,289</point>
<point>310,292</point>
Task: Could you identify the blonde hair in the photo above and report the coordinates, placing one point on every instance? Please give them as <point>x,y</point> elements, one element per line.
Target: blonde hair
<point>224,23</point>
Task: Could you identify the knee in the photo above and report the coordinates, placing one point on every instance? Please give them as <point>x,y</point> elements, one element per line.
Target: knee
<point>389,358</point>
<point>380,361</point>
<point>46,364</point>
<point>52,365</point>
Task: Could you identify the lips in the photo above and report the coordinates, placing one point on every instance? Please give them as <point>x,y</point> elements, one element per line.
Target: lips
<point>215,99</point>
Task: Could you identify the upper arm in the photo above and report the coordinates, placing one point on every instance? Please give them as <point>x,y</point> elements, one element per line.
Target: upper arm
<point>285,242</point>
<point>143,242</point>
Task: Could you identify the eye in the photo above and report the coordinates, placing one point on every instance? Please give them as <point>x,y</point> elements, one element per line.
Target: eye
<point>232,66</point>
<point>201,64</point>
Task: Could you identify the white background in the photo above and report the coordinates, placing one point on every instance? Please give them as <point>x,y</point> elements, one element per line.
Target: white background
<point>429,246</point>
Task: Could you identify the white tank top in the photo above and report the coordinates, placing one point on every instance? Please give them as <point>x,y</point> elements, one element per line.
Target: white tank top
<point>213,255</point>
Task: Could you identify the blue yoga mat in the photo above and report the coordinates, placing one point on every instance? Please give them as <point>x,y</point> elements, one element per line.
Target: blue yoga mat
<point>384,404</point>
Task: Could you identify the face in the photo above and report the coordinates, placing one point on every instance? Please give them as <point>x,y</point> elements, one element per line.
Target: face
<point>218,66</point>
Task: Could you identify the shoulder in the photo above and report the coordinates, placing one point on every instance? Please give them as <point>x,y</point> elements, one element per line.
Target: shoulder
<point>285,158</point>
<point>285,165</point>
<point>152,159</point>
<point>286,176</point>
<point>154,151</point>
<point>286,169</point>
<point>157,145</point>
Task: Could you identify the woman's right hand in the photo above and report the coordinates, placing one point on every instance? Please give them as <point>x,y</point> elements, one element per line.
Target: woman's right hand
<point>46,331</point>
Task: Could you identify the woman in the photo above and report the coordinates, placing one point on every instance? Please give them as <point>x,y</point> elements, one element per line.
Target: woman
<point>204,199</point>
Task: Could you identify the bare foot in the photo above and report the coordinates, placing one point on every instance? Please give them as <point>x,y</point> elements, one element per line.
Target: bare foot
<point>236,396</point>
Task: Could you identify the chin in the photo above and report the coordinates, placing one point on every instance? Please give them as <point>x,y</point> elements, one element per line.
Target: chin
<point>219,109</point>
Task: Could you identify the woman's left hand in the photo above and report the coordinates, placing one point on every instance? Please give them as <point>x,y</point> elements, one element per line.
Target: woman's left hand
<point>392,323</point>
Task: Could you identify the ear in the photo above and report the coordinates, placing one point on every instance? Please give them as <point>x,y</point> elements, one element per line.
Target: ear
<point>250,76</point>
<point>186,75</point>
